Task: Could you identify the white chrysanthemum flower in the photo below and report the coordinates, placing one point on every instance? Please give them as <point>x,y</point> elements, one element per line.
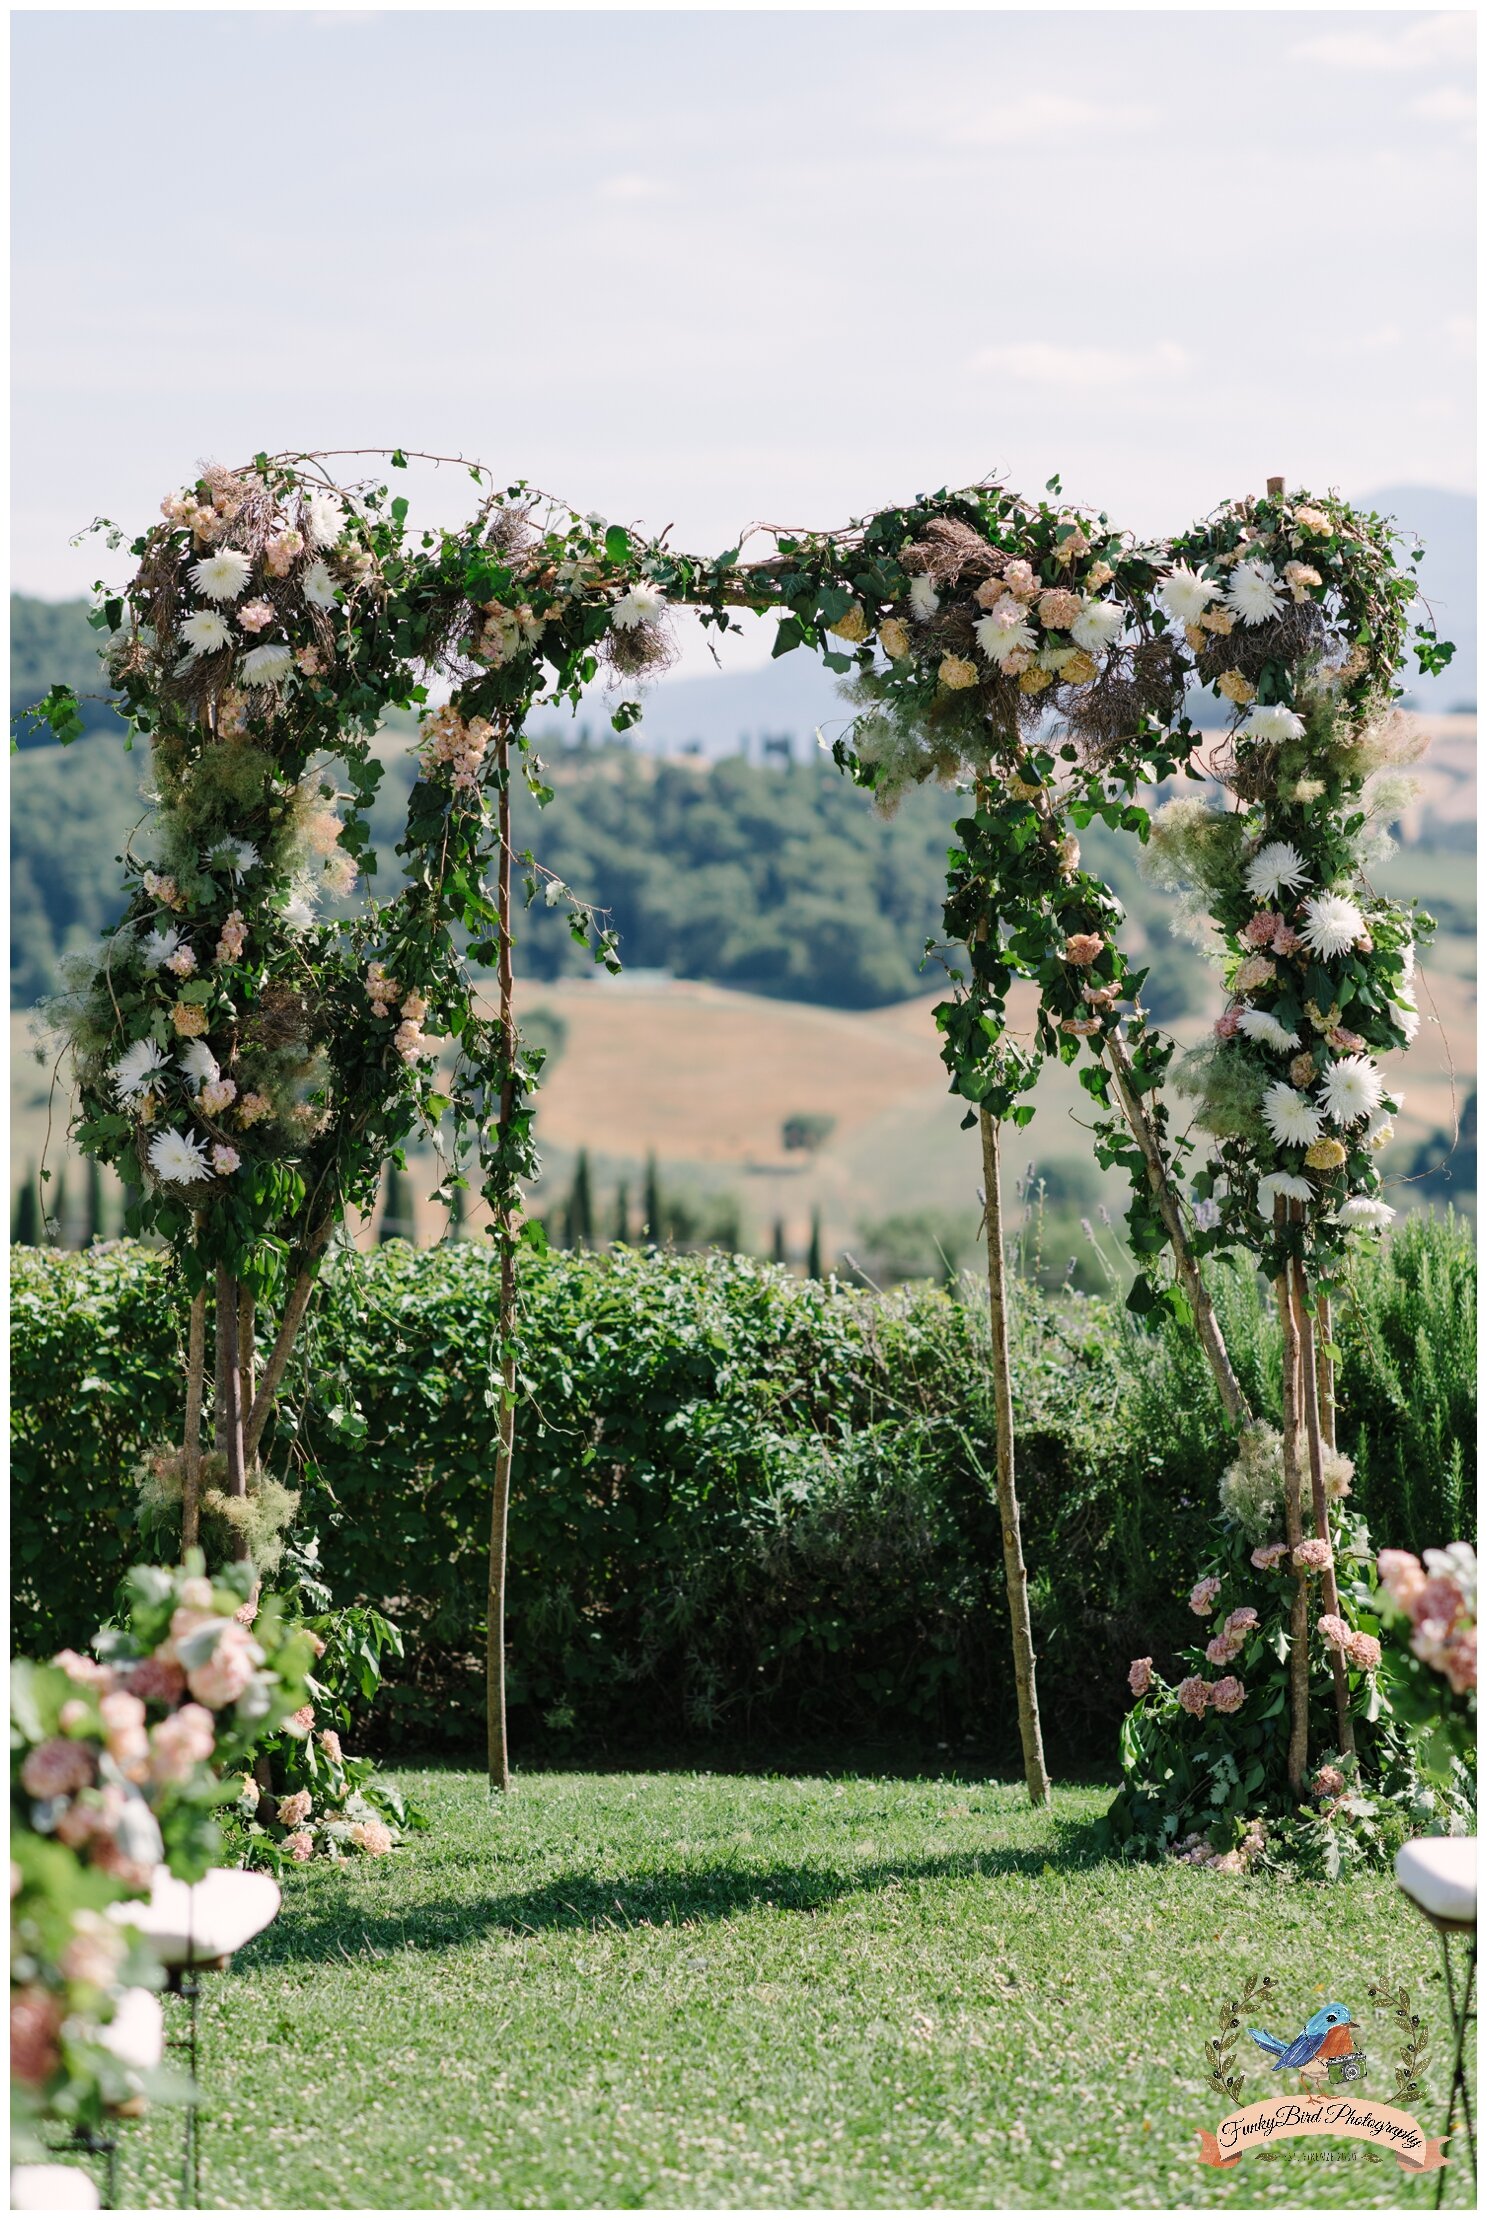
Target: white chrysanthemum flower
<point>199,1064</point>
<point>1273,721</point>
<point>325,519</point>
<point>1352,1089</point>
<point>265,666</point>
<point>1406,1017</point>
<point>236,856</point>
<point>299,911</point>
<point>157,947</point>
<point>175,1157</point>
<point>643,604</point>
<point>1363,1214</point>
<point>1259,1025</point>
<point>1184,594</point>
<point>1276,866</point>
<point>204,632</point>
<point>1253,595</point>
<point>1098,623</point>
<point>1281,1187</point>
<point>1407,958</point>
<point>999,638</point>
<point>1332,925</point>
<point>318,586</point>
<point>223,575</point>
<point>133,1073</point>
<point>923,599</point>
<point>1291,1119</point>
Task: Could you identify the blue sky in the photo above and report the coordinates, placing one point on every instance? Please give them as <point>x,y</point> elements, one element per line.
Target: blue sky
<point>703,268</point>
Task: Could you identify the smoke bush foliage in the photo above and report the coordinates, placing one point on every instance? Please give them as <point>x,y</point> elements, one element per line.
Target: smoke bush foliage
<point>743,1502</point>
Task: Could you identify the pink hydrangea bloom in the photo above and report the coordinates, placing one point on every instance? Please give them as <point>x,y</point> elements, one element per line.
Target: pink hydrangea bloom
<point>1287,940</point>
<point>180,1743</point>
<point>1227,1026</point>
<point>1333,1630</point>
<point>1267,1558</point>
<point>1193,1695</point>
<point>1228,1694</point>
<point>1402,1574</point>
<point>371,1836</point>
<point>1364,1651</point>
<point>1260,931</point>
<point>1224,1648</point>
<point>301,1721</point>
<point>1312,1556</point>
<point>1460,1663</point>
<point>293,1809</point>
<point>227,1672</point>
<point>57,1768</point>
<point>157,1680</point>
<point>1201,1599</point>
<point>330,1741</point>
<point>301,1847</point>
<point>85,1671</point>
<point>1329,1782</point>
<point>1243,1621</point>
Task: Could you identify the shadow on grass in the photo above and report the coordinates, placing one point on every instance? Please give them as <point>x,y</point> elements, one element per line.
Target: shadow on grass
<point>323,1926</point>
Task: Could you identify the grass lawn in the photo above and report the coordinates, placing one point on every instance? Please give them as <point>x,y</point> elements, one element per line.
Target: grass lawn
<point>630,1989</point>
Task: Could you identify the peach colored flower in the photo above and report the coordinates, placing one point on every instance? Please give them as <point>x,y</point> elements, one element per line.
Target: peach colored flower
<point>301,1721</point>
<point>371,1836</point>
<point>35,2023</point>
<point>1202,1598</point>
<point>1402,1574</point>
<point>1193,1695</point>
<point>1364,1651</point>
<point>1139,1676</point>
<point>1083,948</point>
<point>1267,1558</point>
<point>1333,1630</point>
<point>957,673</point>
<point>1058,608</point>
<point>254,615</point>
<point>1312,1556</point>
<point>293,1809</point>
<point>1228,1694</point>
<point>227,1672</point>
<point>1235,687</point>
<point>301,1847</point>
<point>330,1743</point>
<point>180,1743</point>
<point>189,1020</point>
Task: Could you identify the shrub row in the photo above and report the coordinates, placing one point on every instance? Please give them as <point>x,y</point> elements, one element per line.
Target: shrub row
<point>743,1502</point>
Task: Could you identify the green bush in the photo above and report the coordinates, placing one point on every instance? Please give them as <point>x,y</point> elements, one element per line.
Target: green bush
<point>742,1501</point>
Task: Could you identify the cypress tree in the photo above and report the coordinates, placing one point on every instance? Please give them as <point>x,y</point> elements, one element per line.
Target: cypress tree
<point>653,1229</point>
<point>95,1227</point>
<point>397,1210</point>
<point>813,1266</point>
<point>25,1225</point>
<point>622,1212</point>
<point>580,1219</point>
<point>779,1251</point>
<point>57,1214</point>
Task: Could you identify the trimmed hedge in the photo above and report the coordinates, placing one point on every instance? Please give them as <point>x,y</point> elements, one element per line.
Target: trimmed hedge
<point>742,1501</point>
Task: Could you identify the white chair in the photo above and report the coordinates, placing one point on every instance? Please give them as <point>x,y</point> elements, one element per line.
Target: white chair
<point>52,2189</point>
<point>194,1927</point>
<point>1439,1876</point>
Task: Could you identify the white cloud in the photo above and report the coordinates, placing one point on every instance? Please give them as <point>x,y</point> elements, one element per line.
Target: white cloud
<point>1078,369</point>
<point>1447,104</point>
<point>631,187</point>
<point>1020,120</point>
<point>1424,43</point>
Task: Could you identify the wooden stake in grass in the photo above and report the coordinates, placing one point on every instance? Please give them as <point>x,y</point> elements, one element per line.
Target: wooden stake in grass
<point>1296,1753</point>
<point>1024,1657</point>
<point>1316,1444</point>
<point>497,1751</point>
<point>230,1404</point>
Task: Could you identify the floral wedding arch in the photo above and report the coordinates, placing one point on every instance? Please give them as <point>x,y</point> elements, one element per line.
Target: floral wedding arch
<point>253,1060</point>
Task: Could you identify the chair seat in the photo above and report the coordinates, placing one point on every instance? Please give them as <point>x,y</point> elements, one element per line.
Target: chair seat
<point>52,2189</point>
<point>194,1923</point>
<point>1439,1873</point>
<point>136,2033</point>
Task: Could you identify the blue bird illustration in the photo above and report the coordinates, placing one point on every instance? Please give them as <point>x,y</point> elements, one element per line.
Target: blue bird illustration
<point>1328,2034</point>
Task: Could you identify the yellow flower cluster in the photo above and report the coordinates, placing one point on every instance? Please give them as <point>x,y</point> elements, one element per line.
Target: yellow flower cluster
<point>957,672</point>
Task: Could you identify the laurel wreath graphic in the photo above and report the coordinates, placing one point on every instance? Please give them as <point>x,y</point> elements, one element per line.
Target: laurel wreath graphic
<point>1256,1996</point>
<point>1396,2002</point>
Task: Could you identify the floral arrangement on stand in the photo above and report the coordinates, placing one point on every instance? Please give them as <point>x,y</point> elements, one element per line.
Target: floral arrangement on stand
<point>117,1767</point>
<point>1427,1615</point>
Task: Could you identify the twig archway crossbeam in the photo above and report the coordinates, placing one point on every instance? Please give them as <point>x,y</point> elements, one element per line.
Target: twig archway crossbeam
<point>253,1062</point>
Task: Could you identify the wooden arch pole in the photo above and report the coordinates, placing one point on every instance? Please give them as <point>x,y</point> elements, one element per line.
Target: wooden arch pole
<point>1024,1656</point>
<point>497,1748</point>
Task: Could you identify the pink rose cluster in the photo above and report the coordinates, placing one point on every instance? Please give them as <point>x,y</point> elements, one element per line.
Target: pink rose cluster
<point>1359,1649</point>
<point>1235,1632</point>
<point>1202,1598</point>
<point>1196,1694</point>
<point>1440,1599</point>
